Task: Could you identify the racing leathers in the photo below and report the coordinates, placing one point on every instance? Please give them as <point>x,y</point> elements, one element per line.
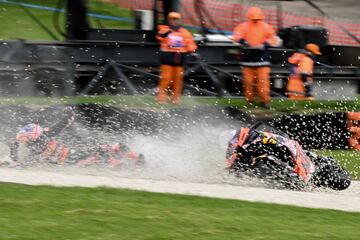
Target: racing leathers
<point>112,155</point>
<point>42,141</point>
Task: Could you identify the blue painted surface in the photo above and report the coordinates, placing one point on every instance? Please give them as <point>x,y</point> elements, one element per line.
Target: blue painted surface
<point>41,7</point>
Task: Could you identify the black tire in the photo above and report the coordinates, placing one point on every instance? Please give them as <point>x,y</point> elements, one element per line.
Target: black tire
<point>339,180</point>
<point>332,176</point>
<point>329,173</point>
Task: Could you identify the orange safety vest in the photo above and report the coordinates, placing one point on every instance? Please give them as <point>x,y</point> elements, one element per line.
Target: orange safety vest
<point>302,64</point>
<point>255,33</point>
<point>180,41</point>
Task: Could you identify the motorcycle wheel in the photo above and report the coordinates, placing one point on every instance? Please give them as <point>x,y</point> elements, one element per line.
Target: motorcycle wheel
<point>339,180</point>
<point>334,177</point>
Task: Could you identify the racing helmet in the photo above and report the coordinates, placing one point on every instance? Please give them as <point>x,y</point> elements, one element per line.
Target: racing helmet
<point>30,132</point>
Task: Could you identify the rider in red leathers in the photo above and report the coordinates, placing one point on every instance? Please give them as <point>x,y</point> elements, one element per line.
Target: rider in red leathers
<point>41,141</point>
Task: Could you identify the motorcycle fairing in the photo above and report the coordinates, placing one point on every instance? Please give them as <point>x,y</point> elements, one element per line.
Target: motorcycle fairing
<point>304,167</point>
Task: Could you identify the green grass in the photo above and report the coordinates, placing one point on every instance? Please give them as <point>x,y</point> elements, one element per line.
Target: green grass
<point>16,24</point>
<point>277,105</point>
<point>29,212</point>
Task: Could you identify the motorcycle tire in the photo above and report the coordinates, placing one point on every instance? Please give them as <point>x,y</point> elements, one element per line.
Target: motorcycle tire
<point>334,177</point>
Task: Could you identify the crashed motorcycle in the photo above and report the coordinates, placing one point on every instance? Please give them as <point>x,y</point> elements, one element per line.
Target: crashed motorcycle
<point>271,155</point>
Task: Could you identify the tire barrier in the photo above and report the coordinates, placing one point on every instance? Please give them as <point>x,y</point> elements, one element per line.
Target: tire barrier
<point>319,131</point>
<point>331,130</point>
<point>353,126</point>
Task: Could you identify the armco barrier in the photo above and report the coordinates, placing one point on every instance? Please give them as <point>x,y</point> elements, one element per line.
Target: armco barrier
<point>226,15</point>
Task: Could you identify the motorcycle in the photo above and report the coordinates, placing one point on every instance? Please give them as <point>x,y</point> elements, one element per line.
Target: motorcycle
<point>80,154</point>
<point>271,155</point>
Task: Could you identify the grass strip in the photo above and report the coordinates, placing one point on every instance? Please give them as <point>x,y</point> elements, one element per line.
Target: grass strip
<point>40,212</point>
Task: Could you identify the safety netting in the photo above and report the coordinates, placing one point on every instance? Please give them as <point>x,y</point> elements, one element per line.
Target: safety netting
<point>225,15</point>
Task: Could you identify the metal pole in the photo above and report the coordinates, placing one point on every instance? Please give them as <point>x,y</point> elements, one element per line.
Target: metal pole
<point>170,6</point>
<point>214,79</point>
<point>125,79</point>
<point>279,15</point>
<point>76,20</point>
<point>137,70</point>
<point>190,70</point>
<point>155,17</point>
<point>98,77</point>
<point>200,90</point>
<point>225,72</point>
